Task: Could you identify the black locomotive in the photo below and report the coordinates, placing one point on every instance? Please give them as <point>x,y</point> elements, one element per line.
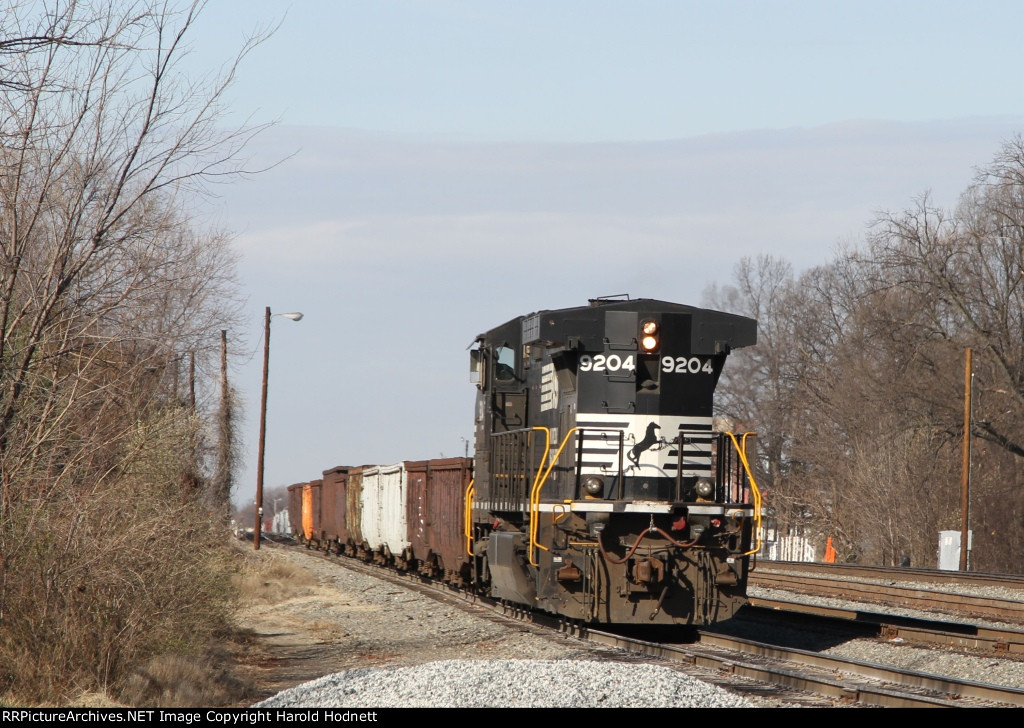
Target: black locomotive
<point>603,490</point>
<point>600,489</point>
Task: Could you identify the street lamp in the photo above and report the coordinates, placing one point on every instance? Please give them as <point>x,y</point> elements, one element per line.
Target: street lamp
<point>294,316</point>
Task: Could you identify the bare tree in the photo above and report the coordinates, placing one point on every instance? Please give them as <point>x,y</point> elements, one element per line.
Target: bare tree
<point>971,264</point>
<point>759,384</point>
<point>835,385</point>
<point>107,284</point>
<point>101,139</point>
<point>967,266</point>
<point>856,382</point>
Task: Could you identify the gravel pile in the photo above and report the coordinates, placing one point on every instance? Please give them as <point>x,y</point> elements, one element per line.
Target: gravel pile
<point>508,684</point>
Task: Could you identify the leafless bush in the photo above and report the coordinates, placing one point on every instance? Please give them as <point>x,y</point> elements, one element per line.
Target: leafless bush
<point>108,285</point>
<point>108,576</point>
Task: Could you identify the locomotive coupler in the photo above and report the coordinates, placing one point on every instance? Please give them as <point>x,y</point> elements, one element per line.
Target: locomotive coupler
<point>648,571</point>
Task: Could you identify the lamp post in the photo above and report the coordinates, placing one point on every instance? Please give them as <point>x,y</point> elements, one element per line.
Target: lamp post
<point>295,316</point>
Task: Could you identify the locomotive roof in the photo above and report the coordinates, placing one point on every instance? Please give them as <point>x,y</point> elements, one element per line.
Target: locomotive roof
<point>731,330</point>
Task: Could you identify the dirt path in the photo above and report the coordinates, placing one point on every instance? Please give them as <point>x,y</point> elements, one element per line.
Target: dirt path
<point>308,617</point>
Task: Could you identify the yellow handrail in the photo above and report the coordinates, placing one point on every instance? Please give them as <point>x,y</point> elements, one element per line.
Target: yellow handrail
<point>538,483</point>
<point>468,514</point>
<point>467,517</point>
<point>544,472</point>
<point>742,452</point>
<point>534,511</point>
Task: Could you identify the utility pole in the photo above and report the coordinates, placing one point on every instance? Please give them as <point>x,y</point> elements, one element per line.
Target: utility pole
<point>192,381</point>
<point>294,316</point>
<point>965,486</point>
<point>263,434</point>
<point>225,444</point>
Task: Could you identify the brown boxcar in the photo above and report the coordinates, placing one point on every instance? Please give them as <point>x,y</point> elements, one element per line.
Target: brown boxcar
<point>333,507</point>
<point>295,510</point>
<point>356,544</point>
<point>435,516</point>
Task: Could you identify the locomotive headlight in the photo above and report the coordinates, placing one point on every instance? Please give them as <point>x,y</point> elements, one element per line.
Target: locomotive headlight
<point>704,487</point>
<point>593,486</point>
<point>649,336</point>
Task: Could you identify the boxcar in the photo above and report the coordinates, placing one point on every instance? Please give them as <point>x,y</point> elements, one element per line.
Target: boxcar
<point>333,508</point>
<point>383,517</point>
<point>435,514</point>
<point>356,544</point>
<point>295,510</point>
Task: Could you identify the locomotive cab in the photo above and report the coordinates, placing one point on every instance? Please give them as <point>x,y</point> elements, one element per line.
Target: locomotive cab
<point>605,490</point>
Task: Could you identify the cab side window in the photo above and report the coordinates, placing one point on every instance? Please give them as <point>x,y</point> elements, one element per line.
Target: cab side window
<point>505,365</point>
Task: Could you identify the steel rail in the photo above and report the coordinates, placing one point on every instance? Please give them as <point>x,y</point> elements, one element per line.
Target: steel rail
<point>892,573</point>
<point>839,678</point>
<point>893,595</point>
<point>934,632</point>
<point>730,658</point>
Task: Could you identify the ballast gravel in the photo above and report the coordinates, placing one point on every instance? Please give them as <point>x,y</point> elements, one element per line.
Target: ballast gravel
<point>366,638</point>
<point>508,684</point>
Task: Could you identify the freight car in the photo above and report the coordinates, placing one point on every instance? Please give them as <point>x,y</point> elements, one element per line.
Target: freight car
<point>408,515</point>
<point>601,489</point>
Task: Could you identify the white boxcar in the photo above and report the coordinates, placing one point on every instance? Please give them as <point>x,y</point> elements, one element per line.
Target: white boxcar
<point>383,520</point>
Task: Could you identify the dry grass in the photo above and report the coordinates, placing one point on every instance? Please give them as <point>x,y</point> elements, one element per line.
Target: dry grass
<point>104,581</point>
<point>173,681</point>
<point>267,578</point>
<point>198,673</point>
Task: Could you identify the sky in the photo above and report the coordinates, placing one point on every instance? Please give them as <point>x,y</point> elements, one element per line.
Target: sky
<point>437,168</point>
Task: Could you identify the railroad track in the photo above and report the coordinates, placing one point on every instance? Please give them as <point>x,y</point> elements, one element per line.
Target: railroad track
<point>920,590</point>
<point>931,632</point>
<point>789,675</point>
<point>891,573</point>
<point>842,680</point>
